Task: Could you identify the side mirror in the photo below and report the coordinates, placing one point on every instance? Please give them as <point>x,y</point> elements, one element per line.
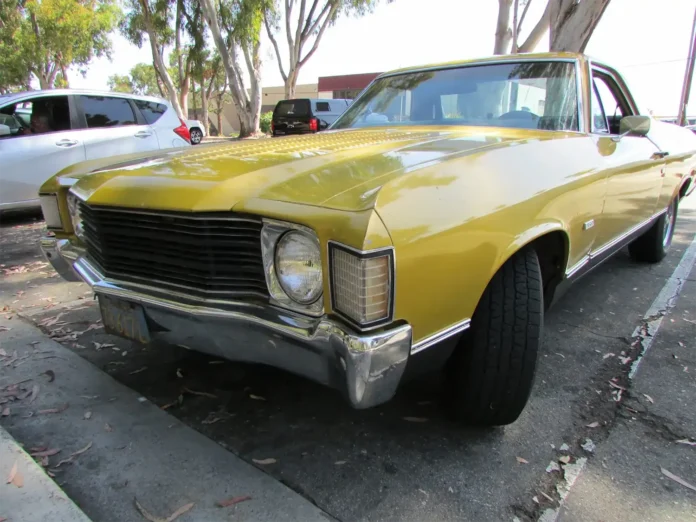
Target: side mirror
<point>634,125</point>
<point>5,130</point>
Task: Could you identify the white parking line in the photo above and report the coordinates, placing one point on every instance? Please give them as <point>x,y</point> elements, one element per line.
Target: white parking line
<point>665,300</point>
<point>646,332</point>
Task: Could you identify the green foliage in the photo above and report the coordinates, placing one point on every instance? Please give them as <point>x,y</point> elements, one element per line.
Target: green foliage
<point>47,36</point>
<point>265,123</point>
<point>142,79</point>
<point>161,15</point>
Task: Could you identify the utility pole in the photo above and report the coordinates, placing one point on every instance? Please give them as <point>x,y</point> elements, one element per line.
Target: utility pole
<point>688,76</point>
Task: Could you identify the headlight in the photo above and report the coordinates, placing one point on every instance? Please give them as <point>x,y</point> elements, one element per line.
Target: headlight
<point>298,267</point>
<point>75,217</point>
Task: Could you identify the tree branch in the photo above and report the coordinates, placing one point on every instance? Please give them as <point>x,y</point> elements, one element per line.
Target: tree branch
<point>540,29</point>
<point>502,31</point>
<point>326,23</point>
<point>318,20</point>
<point>288,32</point>
<point>524,13</point>
<point>305,29</point>
<point>274,42</point>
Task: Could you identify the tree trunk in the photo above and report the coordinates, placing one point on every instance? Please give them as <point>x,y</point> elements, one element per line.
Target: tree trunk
<point>572,23</point>
<point>503,33</point>
<point>248,110</point>
<point>193,100</point>
<point>204,109</point>
<point>159,61</point>
<point>219,119</point>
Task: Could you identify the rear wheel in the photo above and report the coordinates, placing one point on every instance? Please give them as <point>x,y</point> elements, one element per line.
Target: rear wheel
<point>653,245</point>
<point>491,373</point>
<point>196,136</point>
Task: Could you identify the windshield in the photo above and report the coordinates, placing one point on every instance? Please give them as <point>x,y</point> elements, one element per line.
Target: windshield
<point>292,108</point>
<point>529,95</point>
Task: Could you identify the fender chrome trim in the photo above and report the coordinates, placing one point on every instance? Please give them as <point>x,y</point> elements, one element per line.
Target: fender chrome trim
<point>441,336</point>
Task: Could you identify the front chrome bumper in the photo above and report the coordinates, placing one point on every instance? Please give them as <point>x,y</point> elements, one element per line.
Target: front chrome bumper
<point>367,367</point>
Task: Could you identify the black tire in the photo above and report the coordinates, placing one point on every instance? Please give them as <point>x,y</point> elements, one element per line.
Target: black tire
<point>196,136</point>
<point>653,245</point>
<point>491,373</point>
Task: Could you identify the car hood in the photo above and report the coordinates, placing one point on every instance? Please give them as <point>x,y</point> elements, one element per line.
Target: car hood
<point>336,169</point>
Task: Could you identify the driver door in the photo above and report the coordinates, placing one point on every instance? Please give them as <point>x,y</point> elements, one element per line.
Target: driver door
<point>634,165</point>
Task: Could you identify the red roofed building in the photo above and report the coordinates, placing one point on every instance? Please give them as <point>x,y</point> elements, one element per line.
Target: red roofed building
<point>344,86</point>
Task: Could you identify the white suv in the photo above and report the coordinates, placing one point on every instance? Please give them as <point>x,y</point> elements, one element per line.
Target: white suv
<point>42,132</point>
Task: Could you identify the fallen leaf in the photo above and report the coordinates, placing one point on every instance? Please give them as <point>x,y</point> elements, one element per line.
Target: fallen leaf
<point>81,451</point>
<point>681,344</point>
<point>416,419</point>
<point>202,394</point>
<point>677,479</point>
<point>88,415</point>
<point>592,425</point>
<point>34,393</point>
<point>5,329</point>
<point>170,518</point>
<point>547,496</point>
<point>340,462</point>
<point>535,499</point>
<point>178,373</point>
<point>553,466</point>
<point>179,401</point>
<point>3,353</point>
<point>588,446</point>
<point>50,374</point>
<point>44,462</point>
<point>53,410</point>
<point>46,453</point>
<point>216,362</point>
<point>614,385</point>
<point>12,474</point>
<point>264,462</point>
<point>256,397</point>
<point>565,459</point>
<point>687,442</point>
<point>231,501</point>
<point>607,355</point>
<point>107,427</point>
<point>18,480</point>
<point>138,371</point>
<point>650,399</point>
<point>6,412</point>
<point>521,460</point>
<point>99,346</point>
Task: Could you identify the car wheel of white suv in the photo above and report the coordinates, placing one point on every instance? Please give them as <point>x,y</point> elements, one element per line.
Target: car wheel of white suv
<point>196,136</point>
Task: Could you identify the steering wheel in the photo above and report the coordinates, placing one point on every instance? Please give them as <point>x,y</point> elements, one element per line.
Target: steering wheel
<point>518,115</point>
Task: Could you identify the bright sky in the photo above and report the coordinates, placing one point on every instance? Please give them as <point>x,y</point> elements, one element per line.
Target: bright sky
<point>646,40</point>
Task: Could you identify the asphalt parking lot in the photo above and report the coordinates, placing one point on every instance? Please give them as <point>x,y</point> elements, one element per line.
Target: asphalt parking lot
<point>403,461</point>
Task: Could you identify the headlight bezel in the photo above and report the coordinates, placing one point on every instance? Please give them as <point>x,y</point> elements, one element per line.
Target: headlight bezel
<point>271,234</point>
<point>384,252</point>
<point>313,242</point>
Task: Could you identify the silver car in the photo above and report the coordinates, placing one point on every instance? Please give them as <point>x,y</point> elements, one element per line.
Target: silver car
<point>42,132</point>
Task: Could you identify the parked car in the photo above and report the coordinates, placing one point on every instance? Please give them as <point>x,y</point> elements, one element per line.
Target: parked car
<point>196,130</point>
<point>428,229</point>
<point>51,130</point>
<point>306,115</point>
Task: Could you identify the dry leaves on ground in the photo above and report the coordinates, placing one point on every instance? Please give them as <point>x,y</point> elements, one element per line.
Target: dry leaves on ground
<point>6,412</point>
<point>13,473</point>
<point>593,425</point>
<point>521,460</point>
<point>50,374</point>
<point>3,353</point>
<point>34,393</point>
<point>46,453</point>
<point>232,501</point>
<point>72,456</point>
<point>649,398</point>
<point>138,371</point>
<point>170,518</point>
<point>87,415</point>
<point>264,462</point>
<point>677,479</point>
<point>107,427</point>
<point>415,419</point>
<point>565,459</point>
<point>5,329</point>
<point>256,397</point>
<point>60,409</point>
<point>200,393</point>
<point>687,442</point>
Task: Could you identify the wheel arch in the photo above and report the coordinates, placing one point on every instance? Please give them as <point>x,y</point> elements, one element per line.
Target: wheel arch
<point>686,185</point>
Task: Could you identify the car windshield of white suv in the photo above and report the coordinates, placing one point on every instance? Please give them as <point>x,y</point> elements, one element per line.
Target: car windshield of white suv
<point>529,95</point>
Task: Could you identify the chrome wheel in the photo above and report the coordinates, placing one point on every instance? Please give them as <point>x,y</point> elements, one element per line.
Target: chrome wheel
<point>196,136</point>
<point>669,224</point>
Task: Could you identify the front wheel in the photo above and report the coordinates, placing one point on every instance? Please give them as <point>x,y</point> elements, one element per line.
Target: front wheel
<point>196,136</point>
<point>491,373</point>
<point>653,245</point>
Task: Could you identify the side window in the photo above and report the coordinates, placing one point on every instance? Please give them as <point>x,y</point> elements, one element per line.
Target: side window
<point>103,111</point>
<point>614,104</point>
<point>151,111</point>
<point>36,116</point>
<point>323,107</point>
<point>599,119</point>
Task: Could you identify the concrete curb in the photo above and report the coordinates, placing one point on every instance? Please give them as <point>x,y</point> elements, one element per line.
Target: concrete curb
<point>39,498</point>
<point>136,450</point>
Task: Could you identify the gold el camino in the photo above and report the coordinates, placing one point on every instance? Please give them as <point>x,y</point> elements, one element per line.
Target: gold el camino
<point>429,228</point>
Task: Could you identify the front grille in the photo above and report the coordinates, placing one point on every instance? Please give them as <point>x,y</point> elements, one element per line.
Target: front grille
<point>213,255</point>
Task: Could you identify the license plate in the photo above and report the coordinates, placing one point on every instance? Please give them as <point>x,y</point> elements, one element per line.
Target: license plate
<point>124,319</point>
<point>279,132</point>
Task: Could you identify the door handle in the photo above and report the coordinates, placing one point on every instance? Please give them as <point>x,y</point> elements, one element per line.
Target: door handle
<point>66,143</point>
<point>143,134</point>
<point>660,155</point>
